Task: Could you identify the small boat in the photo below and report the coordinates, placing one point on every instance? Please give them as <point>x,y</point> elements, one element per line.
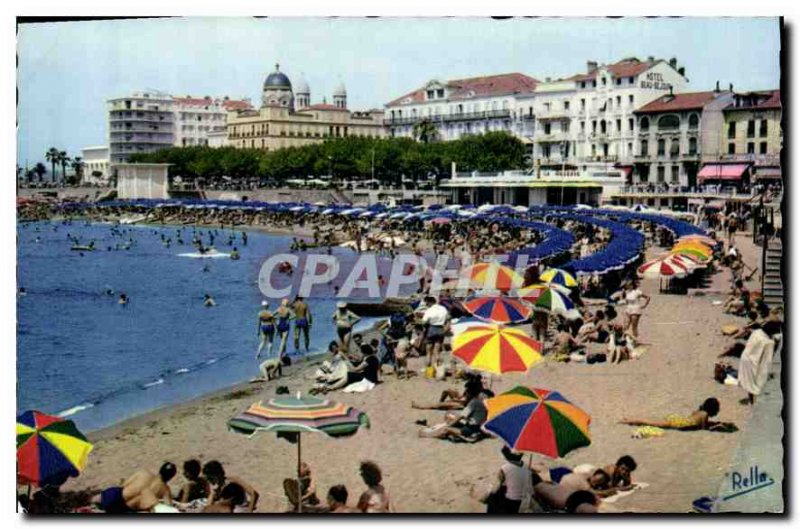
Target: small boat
<point>387,307</point>
<point>82,248</point>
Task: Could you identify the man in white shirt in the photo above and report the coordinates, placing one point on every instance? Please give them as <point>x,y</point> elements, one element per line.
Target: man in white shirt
<point>436,318</point>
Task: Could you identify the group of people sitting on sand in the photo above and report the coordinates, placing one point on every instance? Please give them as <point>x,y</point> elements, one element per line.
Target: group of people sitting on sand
<point>535,488</point>
<point>374,499</point>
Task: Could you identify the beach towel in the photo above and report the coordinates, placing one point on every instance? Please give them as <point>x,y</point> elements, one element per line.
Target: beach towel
<point>755,362</point>
<point>623,493</point>
<point>359,387</point>
<point>646,432</point>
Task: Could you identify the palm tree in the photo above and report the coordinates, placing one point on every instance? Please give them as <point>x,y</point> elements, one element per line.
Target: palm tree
<point>77,166</point>
<point>64,161</point>
<point>39,170</point>
<point>53,156</point>
<point>425,131</point>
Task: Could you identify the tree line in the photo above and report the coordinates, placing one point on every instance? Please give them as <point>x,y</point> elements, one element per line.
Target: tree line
<point>57,159</point>
<point>389,160</point>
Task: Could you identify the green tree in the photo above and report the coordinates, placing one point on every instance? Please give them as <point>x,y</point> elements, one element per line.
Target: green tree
<point>39,170</point>
<point>53,156</point>
<point>425,131</point>
<point>77,166</point>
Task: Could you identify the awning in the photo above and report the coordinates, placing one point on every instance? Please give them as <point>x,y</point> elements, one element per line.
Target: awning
<point>565,184</point>
<point>722,172</point>
<point>768,173</point>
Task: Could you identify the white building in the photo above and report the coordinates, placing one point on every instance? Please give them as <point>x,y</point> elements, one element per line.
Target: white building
<point>142,180</point>
<point>95,164</point>
<point>463,106</point>
<point>150,121</point>
<point>589,117</point>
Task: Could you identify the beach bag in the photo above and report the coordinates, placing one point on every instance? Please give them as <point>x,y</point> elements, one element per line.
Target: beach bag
<point>430,372</point>
<point>440,372</point>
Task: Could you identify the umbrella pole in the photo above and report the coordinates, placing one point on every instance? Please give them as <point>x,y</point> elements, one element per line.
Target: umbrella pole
<point>299,481</point>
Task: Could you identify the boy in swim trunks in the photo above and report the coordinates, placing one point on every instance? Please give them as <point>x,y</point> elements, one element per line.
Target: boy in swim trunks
<point>302,323</point>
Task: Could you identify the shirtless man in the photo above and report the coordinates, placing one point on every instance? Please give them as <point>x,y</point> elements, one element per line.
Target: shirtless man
<point>140,492</point>
<point>302,323</point>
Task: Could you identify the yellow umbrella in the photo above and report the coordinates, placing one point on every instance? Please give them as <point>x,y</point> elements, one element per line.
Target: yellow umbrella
<point>497,349</point>
<point>494,276</point>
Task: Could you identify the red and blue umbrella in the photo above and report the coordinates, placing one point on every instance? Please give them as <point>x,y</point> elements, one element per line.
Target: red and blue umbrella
<point>49,449</point>
<point>499,309</point>
<point>537,420</point>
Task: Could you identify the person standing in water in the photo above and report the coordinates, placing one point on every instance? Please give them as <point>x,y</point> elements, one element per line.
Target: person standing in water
<point>302,323</point>
<point>284,316</point>
<point>123,299</point>
<point>266,329</point>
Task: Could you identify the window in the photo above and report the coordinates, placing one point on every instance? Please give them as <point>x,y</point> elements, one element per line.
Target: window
<point>674,148</point>
<point>669,122</point>
<point>619,81</point>
<point>694,121</point>
<point>662,147</point>
<point>762,130</point>
<point>762,147</point>
<point>630,98</point>
<point>583,127</point>
<point>547,128</point>
<point>751,128</point>
<point>660,174</point>
<point>731,148</point>
<point>731,130</point>
<point>602,126</point>
<point>594,149</point>
<point>594,126</point>
<point>751,147</point>
<point>644,124</point>
<point>644,148</point>
<point>675,172</point>
<point>594,83</point>
<point>630,81</point>
<point>604,80</point>
<point>583,104</point>
<point>583,84</point>
<point>430,94</point>
<point>566,105</point>
<point>619,125</point>
<point>440,92</point>
<point>630,124</point>
<point>630,147</point>
<point>692,145</point>
<point>619,101</point>
<point>547,107</point>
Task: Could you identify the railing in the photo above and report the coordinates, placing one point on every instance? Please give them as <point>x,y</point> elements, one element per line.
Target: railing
<point>439,118</point>
<point>660,190</point>
<point>758,159</point>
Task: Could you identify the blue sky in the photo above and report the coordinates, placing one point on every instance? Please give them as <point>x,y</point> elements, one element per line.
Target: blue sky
<point>67,70</point>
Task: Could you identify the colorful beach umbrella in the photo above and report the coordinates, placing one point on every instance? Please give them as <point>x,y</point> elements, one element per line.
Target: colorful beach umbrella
<point>496,349</point>
<point>498,309</point>
<point>49,449</point>
<point>551,297</point>
<point>693,246</point>
<point>493,276</point>
<point>558,277</point>
<point>692,253</point>
<point>289,417</point>
<point>537,420</point>
<point>696,237</point>
<point>668,266</point>
<point>689,262</point>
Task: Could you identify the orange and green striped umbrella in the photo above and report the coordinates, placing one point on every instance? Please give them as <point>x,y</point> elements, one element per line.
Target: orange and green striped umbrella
<point>493,276</point>
<point>537,420</point>
<point>497,349</point>
<point>694,246</point>
<point>692,253</point>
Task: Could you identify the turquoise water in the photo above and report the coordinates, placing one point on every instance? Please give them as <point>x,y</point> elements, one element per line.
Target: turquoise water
<point>82,353</point>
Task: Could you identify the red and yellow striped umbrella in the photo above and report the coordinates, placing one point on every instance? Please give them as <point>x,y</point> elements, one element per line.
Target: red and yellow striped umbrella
<point>493,276</point>
<point>537,420</point>
<point>496,349</point>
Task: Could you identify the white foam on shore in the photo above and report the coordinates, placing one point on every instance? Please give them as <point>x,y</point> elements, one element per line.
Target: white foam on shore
<point>154,383</point>
<point>204,255</point>
<point>181,371</point>
<point>75,409</point>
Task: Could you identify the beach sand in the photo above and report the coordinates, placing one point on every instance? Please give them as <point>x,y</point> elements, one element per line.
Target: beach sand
<point>426,475</point>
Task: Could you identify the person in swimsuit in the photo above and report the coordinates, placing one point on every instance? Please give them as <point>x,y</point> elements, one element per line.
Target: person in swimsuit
<point>266,329</point>
<point>215,474</point>
<point>196,486</point>
<point>139,493</point>
<point>344,320</point>
<point>302,323</point>
<point>375,498</point>
<point>284,316</point>
<point>698,420</point>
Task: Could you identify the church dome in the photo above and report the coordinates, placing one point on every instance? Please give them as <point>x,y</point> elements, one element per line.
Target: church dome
<point>302,87</point>
<point>340,90</point>
<point>277,80</point>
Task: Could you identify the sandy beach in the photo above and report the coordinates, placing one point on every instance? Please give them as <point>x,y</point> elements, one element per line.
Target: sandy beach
<point>425,475</point>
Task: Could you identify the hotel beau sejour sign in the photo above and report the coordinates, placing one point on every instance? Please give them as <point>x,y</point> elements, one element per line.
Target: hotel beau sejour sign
<point>654,81</point>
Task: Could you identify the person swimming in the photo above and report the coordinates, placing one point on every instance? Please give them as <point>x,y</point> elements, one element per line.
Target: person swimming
<point>266,329</point>
<point>123,299</point>
<point>208,301</point>
<point>235,254</point>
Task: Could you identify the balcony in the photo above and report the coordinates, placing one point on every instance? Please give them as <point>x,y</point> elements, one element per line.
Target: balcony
<point>598,158</point>
<point>553,114</point>
<point>440,118</point>
<point>550,138</point>
<point>161,117</point>
<point>757,159</point>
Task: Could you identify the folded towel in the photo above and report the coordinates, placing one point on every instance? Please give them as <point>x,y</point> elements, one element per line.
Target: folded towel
<point>623,493</point>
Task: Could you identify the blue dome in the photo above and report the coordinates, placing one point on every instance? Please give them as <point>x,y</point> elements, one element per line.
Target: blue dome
<point>277,80</point>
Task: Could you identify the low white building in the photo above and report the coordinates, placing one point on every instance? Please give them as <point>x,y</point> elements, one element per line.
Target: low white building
<point>142,180</point>
<point>96,168</point>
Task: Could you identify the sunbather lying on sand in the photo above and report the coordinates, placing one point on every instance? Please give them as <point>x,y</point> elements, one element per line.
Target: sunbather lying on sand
<point>698,420</point>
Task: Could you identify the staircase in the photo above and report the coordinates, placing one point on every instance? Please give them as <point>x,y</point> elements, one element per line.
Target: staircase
<point>338,197</point>
<point>771,283</point>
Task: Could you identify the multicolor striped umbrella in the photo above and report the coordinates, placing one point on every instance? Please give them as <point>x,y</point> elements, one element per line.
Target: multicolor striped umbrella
<point>537,420</point>
<point>498,309</point>
<point>694,246</point>
<point>493,276</point>
<point>558,277</point>
<point>692,253</point>
<point>688,261</point>
<point>496,349</point>
<point>699,238</point>
<point>289,417</point>
<point>668,266</point>
<point>49,449</point>
<point>551,297</point>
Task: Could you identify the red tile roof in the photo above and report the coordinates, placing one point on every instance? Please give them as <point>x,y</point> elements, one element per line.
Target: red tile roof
<point>229,104</point>
<point>490,85</point>
<point>232,104</point>
<point>773,101</point>
<point>323,106</point>
<point>194,101</point>
<point>624,68</point>
<point>678,102</point>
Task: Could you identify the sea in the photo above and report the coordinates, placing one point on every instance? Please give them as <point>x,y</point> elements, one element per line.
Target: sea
<point>82,355</point>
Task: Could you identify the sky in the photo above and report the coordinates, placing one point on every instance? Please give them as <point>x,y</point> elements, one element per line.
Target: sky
<point>67,70</point>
